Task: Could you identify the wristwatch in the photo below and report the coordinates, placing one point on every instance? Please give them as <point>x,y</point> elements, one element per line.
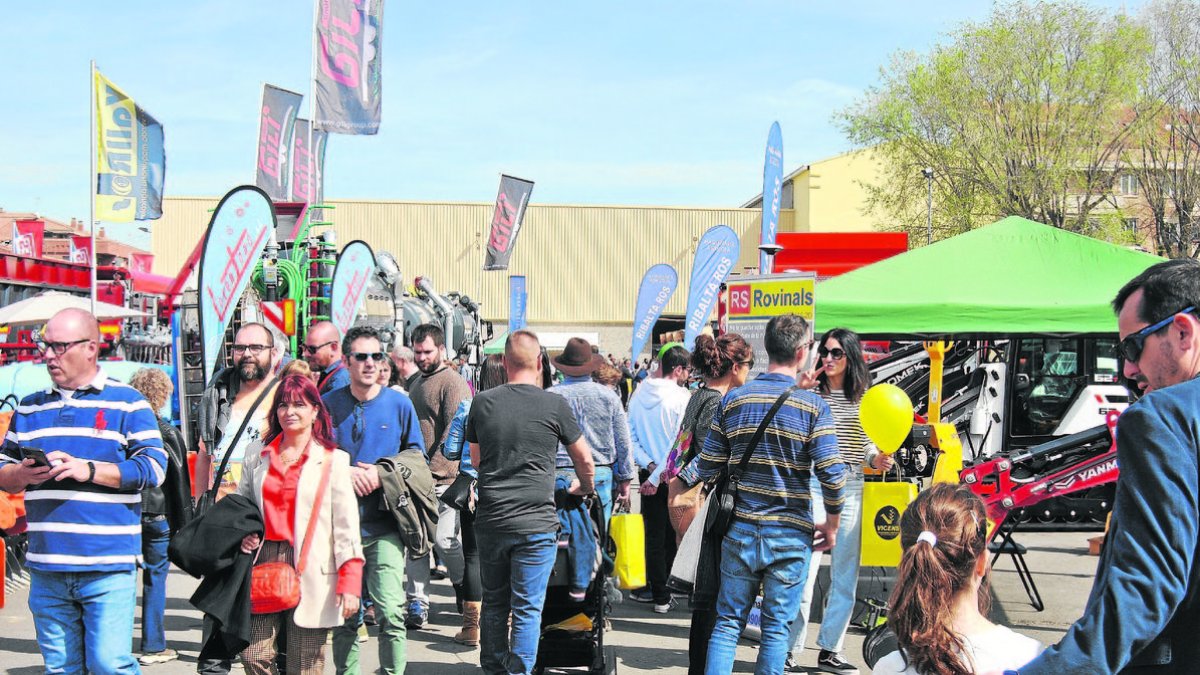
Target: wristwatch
<point>91,471</point>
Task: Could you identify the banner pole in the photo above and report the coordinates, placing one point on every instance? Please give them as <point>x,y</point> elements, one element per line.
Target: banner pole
<point>312,101</point>
<point>93,169</point>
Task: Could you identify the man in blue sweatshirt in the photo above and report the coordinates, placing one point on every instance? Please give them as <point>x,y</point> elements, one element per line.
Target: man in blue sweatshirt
<point>371,422</point>
<point>1144,607</point>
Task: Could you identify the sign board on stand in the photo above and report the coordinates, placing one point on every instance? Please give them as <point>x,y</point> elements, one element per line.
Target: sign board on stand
<point>752,301</point>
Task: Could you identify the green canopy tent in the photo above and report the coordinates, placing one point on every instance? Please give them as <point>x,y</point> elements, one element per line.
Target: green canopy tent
<point>1013,277</point>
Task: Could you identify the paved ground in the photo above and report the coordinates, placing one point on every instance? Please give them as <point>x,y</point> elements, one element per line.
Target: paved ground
<point>645,642</point>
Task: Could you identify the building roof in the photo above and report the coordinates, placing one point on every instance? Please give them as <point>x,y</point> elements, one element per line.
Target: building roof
<point>56,243</point>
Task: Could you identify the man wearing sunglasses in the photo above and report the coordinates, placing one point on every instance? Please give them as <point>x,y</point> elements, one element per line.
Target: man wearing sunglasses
<point>1145,602</point>
<point>371,421</point>
<point>323,352</point>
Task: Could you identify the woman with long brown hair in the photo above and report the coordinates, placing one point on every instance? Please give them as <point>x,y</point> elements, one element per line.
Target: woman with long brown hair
<point>302,485</point>
<point>940,602</point>
<point>722,363</point>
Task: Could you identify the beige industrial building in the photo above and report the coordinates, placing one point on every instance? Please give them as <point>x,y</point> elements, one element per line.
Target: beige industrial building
<point>583,263</point>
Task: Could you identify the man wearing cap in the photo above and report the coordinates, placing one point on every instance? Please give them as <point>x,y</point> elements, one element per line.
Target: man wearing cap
<point>655,412</point>
<point>601,418</point>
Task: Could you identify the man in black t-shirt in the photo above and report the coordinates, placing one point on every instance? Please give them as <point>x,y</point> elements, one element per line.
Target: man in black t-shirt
<point>514,431</point>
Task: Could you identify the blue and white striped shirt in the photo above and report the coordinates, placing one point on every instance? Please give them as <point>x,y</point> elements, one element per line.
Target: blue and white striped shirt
<point>77,526</point>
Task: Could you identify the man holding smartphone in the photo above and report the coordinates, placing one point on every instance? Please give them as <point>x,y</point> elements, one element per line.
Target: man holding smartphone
<point>84,511</point>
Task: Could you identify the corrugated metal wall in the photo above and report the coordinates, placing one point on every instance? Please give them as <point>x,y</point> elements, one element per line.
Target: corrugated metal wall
<point>583,263</point>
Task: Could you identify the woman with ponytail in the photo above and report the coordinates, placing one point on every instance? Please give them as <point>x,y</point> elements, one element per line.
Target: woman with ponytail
<point>722,364</point>
<point>940,603</point>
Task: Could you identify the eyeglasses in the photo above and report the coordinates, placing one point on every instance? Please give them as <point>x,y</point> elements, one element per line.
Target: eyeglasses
<point>58,348</point>
<point>749,364</point>
<point>837,353</point>
<point>1131,347</point>
<point>356,431</point>
<point>361,357</point>
<point>313,349</point>
<point>254,350</point>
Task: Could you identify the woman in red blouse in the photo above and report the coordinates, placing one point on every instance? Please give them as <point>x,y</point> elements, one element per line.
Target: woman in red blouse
<point>283,478</point>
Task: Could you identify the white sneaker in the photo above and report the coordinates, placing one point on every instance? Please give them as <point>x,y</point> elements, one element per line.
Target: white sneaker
<point>151,658</point>
<point>665,607</point>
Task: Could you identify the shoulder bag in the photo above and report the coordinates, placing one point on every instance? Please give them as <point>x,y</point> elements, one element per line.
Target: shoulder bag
<point>723,498</point>
<point>206,500</point>
<point>275,586</point>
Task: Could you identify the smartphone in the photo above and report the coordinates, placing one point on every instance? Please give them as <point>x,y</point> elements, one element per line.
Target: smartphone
<point>36,454</point>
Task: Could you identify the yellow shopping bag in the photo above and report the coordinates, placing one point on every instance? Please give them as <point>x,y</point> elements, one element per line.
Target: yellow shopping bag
<point>629,535</point>
<point>882,506</point>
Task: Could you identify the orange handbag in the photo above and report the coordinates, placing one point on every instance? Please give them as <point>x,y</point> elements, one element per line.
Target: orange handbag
<point>275,586</point>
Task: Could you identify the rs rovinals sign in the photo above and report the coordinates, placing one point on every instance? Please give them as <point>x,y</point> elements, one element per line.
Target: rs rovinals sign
<point>752,301</point>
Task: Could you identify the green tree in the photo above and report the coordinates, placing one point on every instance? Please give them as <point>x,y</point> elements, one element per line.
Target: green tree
<point>1165,153</point>
<point>1025,113</point>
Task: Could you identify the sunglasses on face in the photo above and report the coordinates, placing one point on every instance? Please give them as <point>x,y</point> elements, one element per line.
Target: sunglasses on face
<point>313,349</point>
<point>362,357</point>
<point>356,430</point>
<point>837,354</point>
<point>1131,347</point>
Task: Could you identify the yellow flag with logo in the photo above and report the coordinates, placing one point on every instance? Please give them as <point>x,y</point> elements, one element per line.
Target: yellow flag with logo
<point>130,161</point>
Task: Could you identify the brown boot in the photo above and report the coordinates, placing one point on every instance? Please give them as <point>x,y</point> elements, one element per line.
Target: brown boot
<point>469,635</point>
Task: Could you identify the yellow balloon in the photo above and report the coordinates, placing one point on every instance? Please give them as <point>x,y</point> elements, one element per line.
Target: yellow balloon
<point>886,414</point>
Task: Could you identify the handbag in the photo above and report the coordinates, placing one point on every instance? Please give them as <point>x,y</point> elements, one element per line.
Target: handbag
<point>883,504</point>
<point>275,586</point>
<point>458,494</point>
<point>723,498</point>
<point>628,533</point>
<point>687,557</point>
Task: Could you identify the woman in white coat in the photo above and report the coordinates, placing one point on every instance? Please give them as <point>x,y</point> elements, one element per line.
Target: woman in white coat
<point>283,477</point>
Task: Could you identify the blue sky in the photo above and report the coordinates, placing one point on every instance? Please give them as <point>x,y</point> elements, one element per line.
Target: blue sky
<point>664,103</point>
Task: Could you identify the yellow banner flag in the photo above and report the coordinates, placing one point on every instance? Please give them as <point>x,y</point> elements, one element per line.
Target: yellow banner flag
<point>130,160</point>
<point>116,163</point>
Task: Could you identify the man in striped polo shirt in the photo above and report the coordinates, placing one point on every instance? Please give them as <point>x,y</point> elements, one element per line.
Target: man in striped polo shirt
<point>769,543</point>
<point>84,511</point>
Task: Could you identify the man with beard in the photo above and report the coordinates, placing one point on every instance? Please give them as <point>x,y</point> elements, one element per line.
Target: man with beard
<point>226,403</point>
<point>323,351</point>
<point>435,396</point>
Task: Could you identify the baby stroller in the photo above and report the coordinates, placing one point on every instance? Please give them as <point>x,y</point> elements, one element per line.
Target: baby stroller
<point>573,628</point>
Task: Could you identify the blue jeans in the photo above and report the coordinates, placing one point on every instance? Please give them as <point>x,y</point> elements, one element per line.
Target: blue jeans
<point>84,620</point>
<point>515,570</point>
<point>843,572</point>
<point>604,488</point>
<point>758,555</point>
<point>156,534</point>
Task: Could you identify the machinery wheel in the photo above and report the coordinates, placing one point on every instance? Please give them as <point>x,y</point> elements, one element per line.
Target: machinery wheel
<point>609,666</point>
<point>1045,516</point>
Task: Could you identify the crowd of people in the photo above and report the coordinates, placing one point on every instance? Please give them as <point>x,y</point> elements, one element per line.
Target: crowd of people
<point>295,471</point>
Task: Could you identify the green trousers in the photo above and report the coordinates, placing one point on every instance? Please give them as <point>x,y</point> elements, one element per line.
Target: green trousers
<point>384,574</point>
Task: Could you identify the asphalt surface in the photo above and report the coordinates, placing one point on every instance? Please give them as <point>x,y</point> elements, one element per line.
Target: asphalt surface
<point>645,642</point>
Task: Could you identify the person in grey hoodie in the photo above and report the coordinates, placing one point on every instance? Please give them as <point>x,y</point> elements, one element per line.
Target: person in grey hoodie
<point>655,412</point>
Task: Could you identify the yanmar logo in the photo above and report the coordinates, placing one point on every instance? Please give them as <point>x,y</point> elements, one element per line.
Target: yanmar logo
<point>1086,475</point>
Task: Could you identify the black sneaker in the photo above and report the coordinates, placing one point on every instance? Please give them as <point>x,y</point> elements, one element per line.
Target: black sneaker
<point>642,595</point>
<point>832,662</point>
